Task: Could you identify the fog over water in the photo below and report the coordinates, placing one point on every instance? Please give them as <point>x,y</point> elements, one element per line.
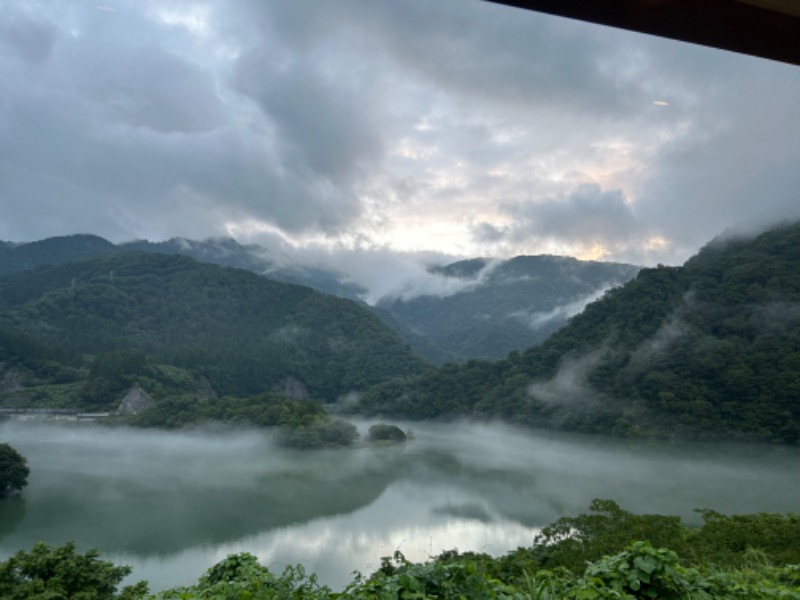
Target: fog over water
<point>170,504</point>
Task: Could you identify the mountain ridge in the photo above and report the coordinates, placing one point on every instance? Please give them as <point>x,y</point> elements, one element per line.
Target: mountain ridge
<point>240,331</point>
<point>708,349</point>
<point>490,307</point>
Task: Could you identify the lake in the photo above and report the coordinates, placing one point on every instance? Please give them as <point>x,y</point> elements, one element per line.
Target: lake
<point>170,504</point>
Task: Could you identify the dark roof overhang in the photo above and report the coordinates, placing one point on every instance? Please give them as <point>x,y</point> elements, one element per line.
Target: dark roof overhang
<point>766,28</point>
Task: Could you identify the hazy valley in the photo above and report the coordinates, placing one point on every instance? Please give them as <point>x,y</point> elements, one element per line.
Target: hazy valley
<point>265,384</point>
<point>399,300</point>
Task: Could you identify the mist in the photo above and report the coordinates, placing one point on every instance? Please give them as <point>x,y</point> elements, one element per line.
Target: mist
<point>387,274</point>
<point>537,320</point>
<point>173,503</point>
<point>383,273</point>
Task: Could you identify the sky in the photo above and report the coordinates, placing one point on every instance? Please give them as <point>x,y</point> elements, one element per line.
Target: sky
<point>362,130</point>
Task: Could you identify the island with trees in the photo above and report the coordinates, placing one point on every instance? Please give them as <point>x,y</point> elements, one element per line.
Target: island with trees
<point>14,471</point>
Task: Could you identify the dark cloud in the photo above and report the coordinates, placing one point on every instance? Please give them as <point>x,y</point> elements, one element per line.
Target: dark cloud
<point>144,86</point>
<point>121,136</point>
<point>26,37</point>
<point>323,126</point>
<point>474,50</point>
<point>488,233</point>
<point>510,56</point>
<point>587,215</point>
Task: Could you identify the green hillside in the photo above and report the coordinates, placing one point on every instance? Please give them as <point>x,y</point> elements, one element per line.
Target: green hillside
<point>51,251</point>
<point>709,349</point>
<point>252,257</point>
<point>503,306</point>
<point>240,332</point>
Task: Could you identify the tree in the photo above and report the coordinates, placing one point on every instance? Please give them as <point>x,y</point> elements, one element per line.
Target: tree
<point>13,470</point>
<point>61,572</point>
<point>382,432</point>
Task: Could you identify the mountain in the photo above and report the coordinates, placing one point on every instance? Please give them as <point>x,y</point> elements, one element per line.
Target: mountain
<point>238,331</point>
<point>252,257</point>
<point>226,252</point>
<point>51,251</point>
<point>709,349</point>
<point>501,306</point>
<point>494,306</point>
<point>220,251</point>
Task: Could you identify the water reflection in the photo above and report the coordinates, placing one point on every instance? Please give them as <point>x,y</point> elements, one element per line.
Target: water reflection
<point>171,504</point>
<point>12,511</point>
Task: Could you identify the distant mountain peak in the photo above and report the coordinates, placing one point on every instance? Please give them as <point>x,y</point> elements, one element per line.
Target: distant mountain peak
<point>462,269</point>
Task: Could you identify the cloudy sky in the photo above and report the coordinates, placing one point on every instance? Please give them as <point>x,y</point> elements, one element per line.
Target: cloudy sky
<point>345,128</point>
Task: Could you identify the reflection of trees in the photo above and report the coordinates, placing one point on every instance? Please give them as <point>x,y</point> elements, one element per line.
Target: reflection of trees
<point>278,500</point>
<point>129,517</point>
<point>12,511</point>
<point>169,515</point>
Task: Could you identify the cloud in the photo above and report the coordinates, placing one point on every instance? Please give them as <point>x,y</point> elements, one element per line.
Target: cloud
<point>121,136</point>
<point>463,128</point>
<point>537,320</point>
<point>388,274</point>
<point>649,351</point>
<point>570,384</point>
<point>488,233</point>
<point>26,37</point>
<point>587,221</point>
<point>146,87</point>
<point>588,213</point>
<point>481,51</point>
<point>323,127</point>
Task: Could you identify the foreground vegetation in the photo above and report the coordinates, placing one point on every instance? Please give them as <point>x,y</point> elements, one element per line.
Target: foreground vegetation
<point>606,553</point>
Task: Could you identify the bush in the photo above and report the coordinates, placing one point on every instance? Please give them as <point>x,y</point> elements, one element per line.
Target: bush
<point>386,433</point>
<point>13,470</point>
<point>60,572</point>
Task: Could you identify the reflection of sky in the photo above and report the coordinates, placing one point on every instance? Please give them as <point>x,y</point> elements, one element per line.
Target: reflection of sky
<point>403,518</point>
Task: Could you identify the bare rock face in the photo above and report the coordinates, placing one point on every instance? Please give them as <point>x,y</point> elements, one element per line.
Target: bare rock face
<point>205,391</point>
<point>291,387</point>
<point>10,380</point>
<point>134,402</point>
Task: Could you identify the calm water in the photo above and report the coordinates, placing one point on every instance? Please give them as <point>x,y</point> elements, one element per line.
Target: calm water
<point>172,504</point>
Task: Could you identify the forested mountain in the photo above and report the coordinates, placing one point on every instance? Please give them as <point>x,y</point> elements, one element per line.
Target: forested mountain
<point>708,349</point>
<point>711,348</point>
<point>229,253</point>
<point>240,332</point>
<point>51,251</point>
<point>219,251</point>
<point>502,306</point>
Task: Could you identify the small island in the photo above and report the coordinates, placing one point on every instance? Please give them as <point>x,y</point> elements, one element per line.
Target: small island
<point>383,434</point>
<point>14,471</point>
